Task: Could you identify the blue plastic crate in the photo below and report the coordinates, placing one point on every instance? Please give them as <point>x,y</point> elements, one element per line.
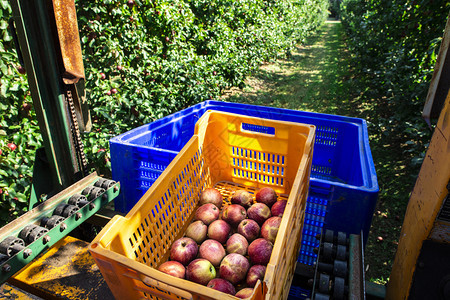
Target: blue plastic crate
<point>298,293</point>
<point>343,184</point>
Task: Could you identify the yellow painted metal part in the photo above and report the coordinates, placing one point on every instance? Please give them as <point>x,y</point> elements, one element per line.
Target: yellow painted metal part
<point>65,271</point>
<point>8,291</point>
<point>423,207</point>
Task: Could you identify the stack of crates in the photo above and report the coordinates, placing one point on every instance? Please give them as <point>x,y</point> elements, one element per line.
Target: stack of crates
<point>343,186</point>
<point>229,152</point>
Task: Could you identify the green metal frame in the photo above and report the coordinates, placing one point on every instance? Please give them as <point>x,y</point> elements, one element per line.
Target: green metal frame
<point>39,46</point>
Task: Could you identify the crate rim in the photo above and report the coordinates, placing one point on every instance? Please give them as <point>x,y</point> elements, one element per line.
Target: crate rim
<point>369,177</point>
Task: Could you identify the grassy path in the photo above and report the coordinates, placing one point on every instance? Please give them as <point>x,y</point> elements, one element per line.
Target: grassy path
<point>317,78</point>
<point>312,79</point>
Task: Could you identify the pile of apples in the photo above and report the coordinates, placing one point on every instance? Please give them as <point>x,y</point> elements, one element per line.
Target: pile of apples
<point>227,248</point>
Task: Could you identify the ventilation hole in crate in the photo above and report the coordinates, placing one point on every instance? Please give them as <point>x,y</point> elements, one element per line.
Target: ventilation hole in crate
<point>282,182</point>
<point>131,242</point>
<point>135,254</point>
<point>148,241</point>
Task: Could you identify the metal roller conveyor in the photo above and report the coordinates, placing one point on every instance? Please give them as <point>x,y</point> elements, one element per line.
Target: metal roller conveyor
<point>40,228</point>
<point>338,269</point>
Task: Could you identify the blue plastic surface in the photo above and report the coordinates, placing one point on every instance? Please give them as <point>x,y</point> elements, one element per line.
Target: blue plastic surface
<point>343,184</point>
<point>298,293</point>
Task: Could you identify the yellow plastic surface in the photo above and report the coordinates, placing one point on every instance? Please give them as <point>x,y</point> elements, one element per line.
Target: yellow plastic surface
<point>225,155</point>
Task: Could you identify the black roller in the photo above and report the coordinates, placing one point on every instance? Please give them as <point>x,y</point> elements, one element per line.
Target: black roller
<point>36,233</point>
<point>87,190</point>
<point>11,245</point>
<point>342,238</point>
<point>328,252</point>
<point>65,210</point>
<point>324,283</point>
<point>340,268</point>
<point>51,222</point>
<point>329,236</point>
<point>105,183</point>
<point>78,200</point>
<point>25,232</point>
<point>326,268</point>
<point>319,296</point>
<point>339,288</point>
<point>341,252</point>
<point>69,210</point>
<point>93,192</point>
<point>59,209</point>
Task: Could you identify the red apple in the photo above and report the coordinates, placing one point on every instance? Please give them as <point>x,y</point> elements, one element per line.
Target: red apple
<point>244,293</point>
<point>26,107</point>
<point>255,273</point>
<point>207,213</point>
<point>21,70</point>
<point>237,244</point>
<point>213,251</point>
<point>211,195</point>
<point>173,268</point>
<point>278,208</point>
<point>267,196</point>
<point>200,271</point>
<point>11,146</point>
<point>102,76</point>
<point>259,251</point>
<point>259,212</point>
<point>242,197</point>
<point>249,229</point>
<point>270,228</point>
<point>234,214</point>
<point>184,250</point>
<point>234,268</point>
<point>197,231</point>
<point>113,91</point>
<point>219,230</point>
<point>108,92</point>
<point>222,285</point>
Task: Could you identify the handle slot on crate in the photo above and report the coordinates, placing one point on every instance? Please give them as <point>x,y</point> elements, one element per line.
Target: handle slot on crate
<point>253,128</point>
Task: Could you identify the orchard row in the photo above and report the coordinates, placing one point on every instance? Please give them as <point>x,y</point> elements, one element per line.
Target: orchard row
<point>144,60</point>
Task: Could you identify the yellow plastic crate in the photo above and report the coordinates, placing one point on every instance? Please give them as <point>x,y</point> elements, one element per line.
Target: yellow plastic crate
<point>229,152</point>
